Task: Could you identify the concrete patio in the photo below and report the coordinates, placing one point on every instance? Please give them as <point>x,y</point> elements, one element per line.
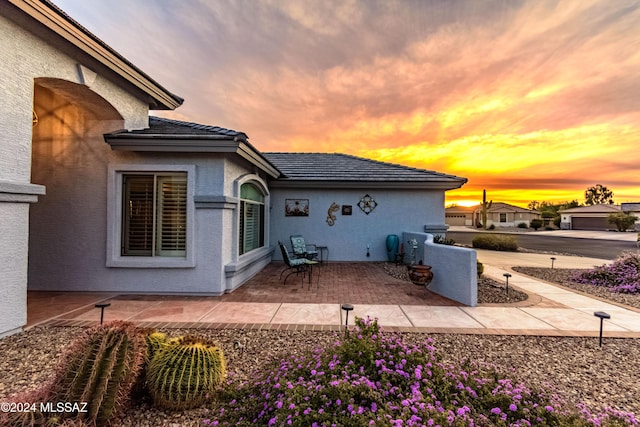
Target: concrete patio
<point>266,303</point>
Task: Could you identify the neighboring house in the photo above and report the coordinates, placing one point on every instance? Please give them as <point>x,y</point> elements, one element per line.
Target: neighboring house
<point>592,217</point>
<point>499,215</point>
<point>163,206</point>
<point>632,209</point>
<point>461,216</point>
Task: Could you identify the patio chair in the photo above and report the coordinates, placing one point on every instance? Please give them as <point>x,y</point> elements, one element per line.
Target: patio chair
<point>297,265</point>
<point>302,249</point>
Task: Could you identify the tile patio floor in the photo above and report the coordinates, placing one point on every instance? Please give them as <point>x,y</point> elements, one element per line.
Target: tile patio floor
<point>265,302</point>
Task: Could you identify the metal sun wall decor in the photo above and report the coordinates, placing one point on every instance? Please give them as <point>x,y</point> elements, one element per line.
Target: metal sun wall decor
<point>367,204</point>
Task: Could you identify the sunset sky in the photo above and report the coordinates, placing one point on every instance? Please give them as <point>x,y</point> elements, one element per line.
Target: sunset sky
<point>532,100</point>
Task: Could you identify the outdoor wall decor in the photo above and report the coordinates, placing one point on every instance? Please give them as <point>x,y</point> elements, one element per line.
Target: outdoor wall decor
<point>331,218</point>
<point>296,207</point>
<point>367,204</point>
<point>346,209</point>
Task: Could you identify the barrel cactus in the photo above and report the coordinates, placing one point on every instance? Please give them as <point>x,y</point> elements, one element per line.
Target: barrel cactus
<point>184,372</point>
<point>100,369</point>
<point>155,341</point>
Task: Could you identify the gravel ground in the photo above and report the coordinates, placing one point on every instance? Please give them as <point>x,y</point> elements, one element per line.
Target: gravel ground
<point>577,369</point>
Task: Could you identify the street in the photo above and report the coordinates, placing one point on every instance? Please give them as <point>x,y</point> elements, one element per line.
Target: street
<point>596,248</point>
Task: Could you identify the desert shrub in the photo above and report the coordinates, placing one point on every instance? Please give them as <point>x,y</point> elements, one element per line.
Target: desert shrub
<point>536,223</point>
<point>371,378</point>
<point>556,221</point>
<point>491,227</point>
<point>495,242</point>
<point>523,225</point>
<point>480,268</point>
<point>623,275</point>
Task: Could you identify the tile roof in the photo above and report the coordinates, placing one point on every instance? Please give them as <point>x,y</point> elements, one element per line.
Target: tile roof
<point>344,168</point>
<point>602,208</point>
<point>501,207</point>
<point>162,126</point>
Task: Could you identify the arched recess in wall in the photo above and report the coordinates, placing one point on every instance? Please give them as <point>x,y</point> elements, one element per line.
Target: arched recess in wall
<point>69,157</point>
<point>253,213</point>
<point>67,116</point>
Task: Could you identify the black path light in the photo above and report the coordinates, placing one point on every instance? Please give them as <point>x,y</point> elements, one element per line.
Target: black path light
<point>552,261</point>
<point>507,275</point>
<point>102,306</point>
<point>347,308</point>
<point>602,315</point>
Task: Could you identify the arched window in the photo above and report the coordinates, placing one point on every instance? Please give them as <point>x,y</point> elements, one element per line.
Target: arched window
<point>251,218</point>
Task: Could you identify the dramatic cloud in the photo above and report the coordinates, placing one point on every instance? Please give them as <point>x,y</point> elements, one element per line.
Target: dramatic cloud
<point>528,99</point>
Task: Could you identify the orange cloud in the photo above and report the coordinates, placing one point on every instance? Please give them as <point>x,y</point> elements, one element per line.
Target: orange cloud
<point>532,100</point>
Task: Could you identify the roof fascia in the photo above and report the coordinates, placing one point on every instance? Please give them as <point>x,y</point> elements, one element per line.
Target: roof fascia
<point>87,43</point>
<point>405,185</point>
<point>191,144</point>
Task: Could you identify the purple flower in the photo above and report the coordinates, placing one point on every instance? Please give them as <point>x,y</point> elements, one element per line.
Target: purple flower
<point>496,411</point>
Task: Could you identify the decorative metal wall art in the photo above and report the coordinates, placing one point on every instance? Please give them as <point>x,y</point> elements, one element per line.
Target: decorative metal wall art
<point>296,207</point>
<point>331,218</point>
<point>367,204</point>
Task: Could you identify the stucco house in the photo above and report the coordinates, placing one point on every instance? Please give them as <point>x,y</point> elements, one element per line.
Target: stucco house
<point>592,217</point>
<point>500,214</point>
<point>95,195</point>
<point>632,208</point>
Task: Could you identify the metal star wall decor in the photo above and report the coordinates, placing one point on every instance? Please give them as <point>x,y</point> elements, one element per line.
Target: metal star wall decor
<point>367,204</point>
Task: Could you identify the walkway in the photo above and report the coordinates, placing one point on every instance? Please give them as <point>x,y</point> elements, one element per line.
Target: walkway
<point>265,303</point>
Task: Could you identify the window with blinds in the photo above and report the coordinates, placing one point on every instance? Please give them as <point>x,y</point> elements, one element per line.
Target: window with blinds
<point>251,218</point>
<point>155,214</point>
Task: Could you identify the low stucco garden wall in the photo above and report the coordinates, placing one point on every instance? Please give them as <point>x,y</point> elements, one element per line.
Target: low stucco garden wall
<point>454,268</point>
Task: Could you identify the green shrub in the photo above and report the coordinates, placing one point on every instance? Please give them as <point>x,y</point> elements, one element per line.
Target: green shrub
<point>184,372</point>
<point>495,242</point>
<point>535,224</point>
<point>491,227</point>
<point>523,225</point>
<point>480,268</point>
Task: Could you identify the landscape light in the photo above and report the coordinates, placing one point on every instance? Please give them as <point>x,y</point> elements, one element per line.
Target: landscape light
<point>102,306</point>
<point>347,308</point>
<point>602,315</point>
<point>507,275</point>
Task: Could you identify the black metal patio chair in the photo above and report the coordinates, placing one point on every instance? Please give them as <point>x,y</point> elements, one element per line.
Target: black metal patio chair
<point>297,265</point>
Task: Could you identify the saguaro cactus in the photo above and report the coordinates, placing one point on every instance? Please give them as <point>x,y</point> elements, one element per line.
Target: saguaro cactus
<point>485,207</point>
<point>184,372</point>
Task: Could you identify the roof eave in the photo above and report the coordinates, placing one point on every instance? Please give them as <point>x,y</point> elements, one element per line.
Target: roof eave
<point>160,98</point>
<point>414,185</point>
<point>191,144</point>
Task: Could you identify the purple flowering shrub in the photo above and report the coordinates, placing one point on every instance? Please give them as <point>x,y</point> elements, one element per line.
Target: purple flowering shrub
<point>623,275</point>
<point>373,379</point>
